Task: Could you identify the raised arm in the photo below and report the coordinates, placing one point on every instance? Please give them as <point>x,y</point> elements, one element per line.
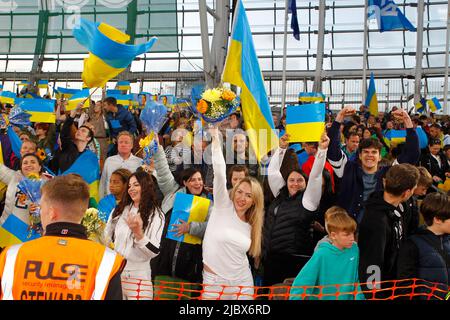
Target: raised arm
<point>164,176</point>
<point>335,156</point>
<point>313,192</point>
<point>149,245</point>
<point>411,152</point>
<point>275,179</point>
<point>220,192</point>
<point>6,174</point>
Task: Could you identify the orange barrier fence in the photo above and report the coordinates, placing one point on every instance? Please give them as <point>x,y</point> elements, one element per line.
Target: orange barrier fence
<point>408,289</point>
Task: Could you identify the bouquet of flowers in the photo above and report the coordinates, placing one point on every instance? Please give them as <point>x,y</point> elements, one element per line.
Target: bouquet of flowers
<point>217,104</point>
<point>31,187</point>
<point>94,225</point>
<point>153,117</point>
<point>17,116</point>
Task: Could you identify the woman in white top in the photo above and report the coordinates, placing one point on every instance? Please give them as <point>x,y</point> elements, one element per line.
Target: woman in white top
<point>234,229</point>
<point>135,228</point>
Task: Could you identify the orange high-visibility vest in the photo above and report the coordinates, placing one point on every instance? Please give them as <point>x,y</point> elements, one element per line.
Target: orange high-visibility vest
<point>57,268</point>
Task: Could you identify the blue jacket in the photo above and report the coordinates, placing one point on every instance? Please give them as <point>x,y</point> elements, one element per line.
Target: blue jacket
<point>328,267</point>
<point>350,196</point>
<point>122,120</point>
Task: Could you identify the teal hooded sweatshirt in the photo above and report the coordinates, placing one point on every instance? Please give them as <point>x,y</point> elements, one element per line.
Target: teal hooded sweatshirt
<point>330,274</point>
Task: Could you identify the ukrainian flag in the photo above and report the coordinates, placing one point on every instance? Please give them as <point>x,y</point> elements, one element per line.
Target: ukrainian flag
<point>32,95</point>
<point>1,87</point>
<point>397,137</point>
<point>16,143</point>
<point>113,92</point>
<point>41,110</point>
<point>43,84</point>
<point>108,53</point>
<point>87,166</point>
<point>421,106</point>
<point>305,123</point>
<point>242,69</point>
<point>24,83</point>
<point>371,99</point>
<point>434,104</point>
<point>311,97</point>
<point>65,93</point>
<point>15,231</point>
<point>7,97</point>
<point>80,96</point>
<point>188,208</point>
<point>123,86</point>
<point>123,99</point>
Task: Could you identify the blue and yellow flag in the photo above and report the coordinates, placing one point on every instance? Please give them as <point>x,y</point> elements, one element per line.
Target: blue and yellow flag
<point>108,53</point>
<point>434,104</point>
<point>311,97</point>
<point>124,99</point>
<point>80,96</point>
<point>15,231</point>
<point>24,83</point>
<point>87,166</point>
<point>65,93</point>
<point>421,106</point>
<point>1,87</point>
<point>242,69</point>
<point>397,136</point>
<point>188,208</point>
<point>388,15</point>
<point>41,110</point>
<point>16,143</point>
<point>7,97</point>
<point>113,92</point>
<point>371,99</point>
<point>305,123</point>
<point>43,84</point>
<point>123,85</point>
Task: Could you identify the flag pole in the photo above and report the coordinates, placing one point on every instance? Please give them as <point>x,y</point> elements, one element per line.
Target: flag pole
<point>445,95</point>
<point>283,84</point>
<point>366,30</point>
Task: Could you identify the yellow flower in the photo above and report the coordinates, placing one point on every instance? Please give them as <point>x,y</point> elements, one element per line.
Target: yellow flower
<point>212,95</point>
<point>33,176</point>
<point>228,95</point>
<point>146,141</point>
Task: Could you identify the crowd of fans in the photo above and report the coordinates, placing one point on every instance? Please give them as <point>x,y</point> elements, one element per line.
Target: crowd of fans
<point>353,207</point>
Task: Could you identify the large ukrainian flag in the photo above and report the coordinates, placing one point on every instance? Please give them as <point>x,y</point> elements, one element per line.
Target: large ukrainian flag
<point>371,99</point>
<point>188,207</point>
<point>242,69</point>
<point>88,168</point>
<point>41,110</point>
<point>305,123</point>
<point>108,53</point>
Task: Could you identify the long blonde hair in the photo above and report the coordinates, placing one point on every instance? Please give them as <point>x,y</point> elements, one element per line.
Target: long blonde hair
<point>254,215</point>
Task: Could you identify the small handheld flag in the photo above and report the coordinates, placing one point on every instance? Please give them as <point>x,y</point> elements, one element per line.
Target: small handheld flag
<point>371,99</point>
<point>434,104</point>
<point>305,123</point>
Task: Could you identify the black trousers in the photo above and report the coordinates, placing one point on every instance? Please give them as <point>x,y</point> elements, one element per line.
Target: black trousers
<point>278,267</point>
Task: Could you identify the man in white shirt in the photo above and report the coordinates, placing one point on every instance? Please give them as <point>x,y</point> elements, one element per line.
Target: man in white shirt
<point>124,159</point>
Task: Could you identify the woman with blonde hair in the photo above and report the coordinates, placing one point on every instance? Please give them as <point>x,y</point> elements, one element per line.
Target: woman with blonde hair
<point>234,229</point>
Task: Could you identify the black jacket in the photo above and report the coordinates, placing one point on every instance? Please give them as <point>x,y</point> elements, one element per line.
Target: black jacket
<point>431,164</point>
<point>68,153</point>
<point>380,235</point>
<point>287,227</point>
<point>351,188</point>
<point>419,258</point>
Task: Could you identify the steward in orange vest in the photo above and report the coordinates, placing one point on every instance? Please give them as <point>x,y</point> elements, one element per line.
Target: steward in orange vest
<point>63,264</point>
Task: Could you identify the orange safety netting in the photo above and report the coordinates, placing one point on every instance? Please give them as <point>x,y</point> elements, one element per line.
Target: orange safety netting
<point>386,290</point>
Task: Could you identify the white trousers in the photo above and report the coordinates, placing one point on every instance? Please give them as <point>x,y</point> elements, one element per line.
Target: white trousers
<point>137,285</point>
<point>218,288</point>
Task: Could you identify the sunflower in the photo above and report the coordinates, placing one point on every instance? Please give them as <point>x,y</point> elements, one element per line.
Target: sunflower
<point>212,95</point>
<point>41,154</point>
